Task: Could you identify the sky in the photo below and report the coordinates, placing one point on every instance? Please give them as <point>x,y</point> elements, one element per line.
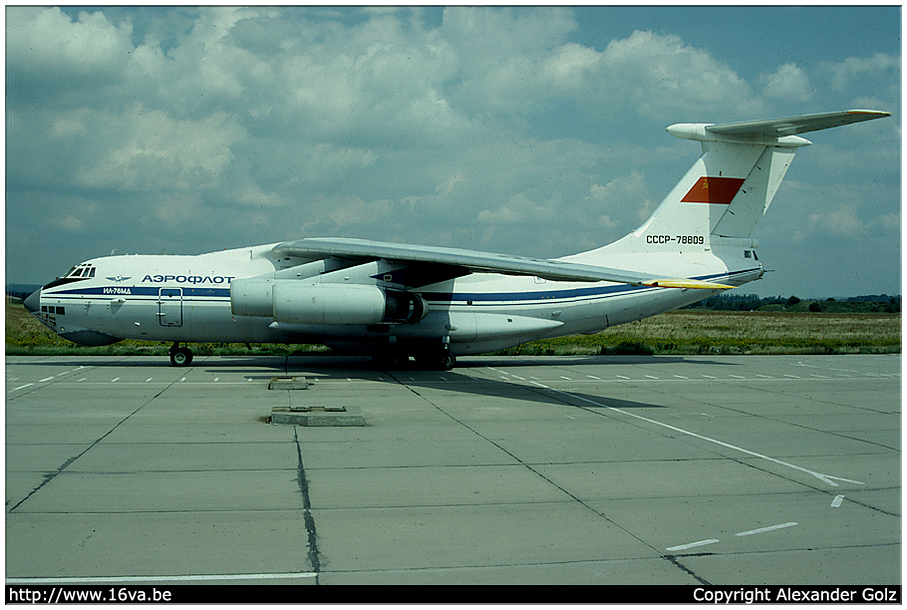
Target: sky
<point>536,131</point>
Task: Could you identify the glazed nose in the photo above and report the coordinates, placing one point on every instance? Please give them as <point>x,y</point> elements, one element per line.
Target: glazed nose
<point>33,302</point>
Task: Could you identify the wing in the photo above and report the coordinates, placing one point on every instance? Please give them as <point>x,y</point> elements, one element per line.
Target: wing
<point>479,262</point>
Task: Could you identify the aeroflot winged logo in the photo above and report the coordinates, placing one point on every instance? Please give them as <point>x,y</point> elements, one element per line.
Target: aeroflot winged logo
<point>118,278</point>
<point>711,189</point>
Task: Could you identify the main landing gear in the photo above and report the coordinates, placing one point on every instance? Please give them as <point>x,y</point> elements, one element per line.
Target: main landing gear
<point>434,360</point>
<point>180,356</point>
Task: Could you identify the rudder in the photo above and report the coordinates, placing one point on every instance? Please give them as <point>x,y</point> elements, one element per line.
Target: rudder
<point>725,194</point>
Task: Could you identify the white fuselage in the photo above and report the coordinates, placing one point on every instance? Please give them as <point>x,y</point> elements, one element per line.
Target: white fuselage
<point>188,299</point>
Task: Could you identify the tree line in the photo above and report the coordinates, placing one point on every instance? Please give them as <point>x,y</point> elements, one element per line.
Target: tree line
<point>873,303</point>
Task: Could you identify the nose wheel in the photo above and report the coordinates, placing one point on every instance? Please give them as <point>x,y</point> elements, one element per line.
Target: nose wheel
<point>180,356</point>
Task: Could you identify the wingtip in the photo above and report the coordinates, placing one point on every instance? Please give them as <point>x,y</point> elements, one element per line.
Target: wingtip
<point>877,113</point>
<point>684,283</point>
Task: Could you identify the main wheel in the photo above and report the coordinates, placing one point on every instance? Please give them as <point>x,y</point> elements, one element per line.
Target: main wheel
<point>446,361</point>
<point>181,356</point>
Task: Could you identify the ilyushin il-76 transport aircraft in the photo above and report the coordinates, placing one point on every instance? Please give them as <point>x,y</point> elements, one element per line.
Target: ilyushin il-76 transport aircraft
<point>433,304</point>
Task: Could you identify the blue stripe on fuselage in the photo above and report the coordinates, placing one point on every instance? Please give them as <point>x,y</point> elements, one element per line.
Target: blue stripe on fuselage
<point>438,297</point>
<point>125,291</point>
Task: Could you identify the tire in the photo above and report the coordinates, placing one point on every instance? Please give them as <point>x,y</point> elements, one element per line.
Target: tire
<point>181,356</point>
<point>446,361</point>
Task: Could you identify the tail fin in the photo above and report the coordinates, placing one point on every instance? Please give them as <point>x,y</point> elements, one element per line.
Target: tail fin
<point>729,188</point>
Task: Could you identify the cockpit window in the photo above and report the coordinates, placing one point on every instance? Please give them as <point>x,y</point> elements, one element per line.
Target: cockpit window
<point>81,271</point>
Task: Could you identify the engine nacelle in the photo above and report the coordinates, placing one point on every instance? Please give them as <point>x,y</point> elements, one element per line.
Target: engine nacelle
<point>300,302</point>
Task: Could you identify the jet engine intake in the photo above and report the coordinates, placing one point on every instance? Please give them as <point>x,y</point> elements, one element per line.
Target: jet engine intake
<point>297,302</point>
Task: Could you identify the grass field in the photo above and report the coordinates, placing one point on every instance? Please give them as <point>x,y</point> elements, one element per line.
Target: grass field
<point>677,332</point>
<point>720,332</point>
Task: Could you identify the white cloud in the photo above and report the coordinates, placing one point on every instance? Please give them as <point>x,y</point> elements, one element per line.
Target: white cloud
<point>570,66</point>
<point>145,149</point>
<point>839,222</point>
<point>621,197</point>
<point>451,127</point>
<point>69,223</point>
<point>47,45</point>
<point>788,83</point>
<point>856,68</point>
<point>656,74</point>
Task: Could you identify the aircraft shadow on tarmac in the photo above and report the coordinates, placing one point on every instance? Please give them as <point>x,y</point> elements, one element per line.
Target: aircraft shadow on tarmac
<point>457,380</point>
<point>460,380</point>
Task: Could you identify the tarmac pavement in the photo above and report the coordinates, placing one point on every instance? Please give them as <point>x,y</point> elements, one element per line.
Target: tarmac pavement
<point>722,470</point>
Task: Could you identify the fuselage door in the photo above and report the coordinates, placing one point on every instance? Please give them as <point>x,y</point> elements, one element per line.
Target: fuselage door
<point>170,307</point>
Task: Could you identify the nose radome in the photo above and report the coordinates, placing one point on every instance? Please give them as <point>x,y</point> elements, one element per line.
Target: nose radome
<point>33,301</point>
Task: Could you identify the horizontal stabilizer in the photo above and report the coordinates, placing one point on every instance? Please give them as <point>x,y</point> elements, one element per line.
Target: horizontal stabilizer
<point>772,132</point>
<point>777,128</point>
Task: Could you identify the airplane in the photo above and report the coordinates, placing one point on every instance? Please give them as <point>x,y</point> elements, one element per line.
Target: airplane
<point>395,301</point>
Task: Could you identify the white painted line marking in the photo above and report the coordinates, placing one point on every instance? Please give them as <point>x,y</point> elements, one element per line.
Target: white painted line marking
<point>709,377</point>
<point>82,379</point>
<point>792,376</point>
<point>567,378</point>
<point>518,377</point>
<point>622,377</point>
<point>178,577</point>
<point>114,380</point>
<point>149,379</point>
<point>681,547</point>
<point>21,387</point>
<point>651,377</point>
<point>45,379</point>
<point>593,377</point>
<point>770,528</point>
<point>837,501</point>
<point>681,377</point>
<point>764,376</point>
<point>830,480</point>
<point>736,376</point>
